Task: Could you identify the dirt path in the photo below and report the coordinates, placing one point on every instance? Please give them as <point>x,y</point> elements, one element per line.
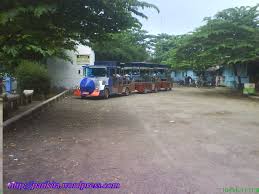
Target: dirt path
<point>185,141</point>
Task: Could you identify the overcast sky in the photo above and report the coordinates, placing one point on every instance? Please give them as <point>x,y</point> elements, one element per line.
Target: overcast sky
<point>182,16</point>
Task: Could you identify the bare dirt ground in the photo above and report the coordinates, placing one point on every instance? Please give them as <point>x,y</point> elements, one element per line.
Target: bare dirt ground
<point>187,141</point>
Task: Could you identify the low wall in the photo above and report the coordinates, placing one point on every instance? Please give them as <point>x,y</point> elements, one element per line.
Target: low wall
<point>10,122</point>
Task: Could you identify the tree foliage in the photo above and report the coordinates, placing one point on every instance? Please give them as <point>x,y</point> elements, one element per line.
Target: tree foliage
<point>34,30</point>
<point>230,37</point>
<point>162,43</point>
<point>126,46</point>
<point>32,76</point>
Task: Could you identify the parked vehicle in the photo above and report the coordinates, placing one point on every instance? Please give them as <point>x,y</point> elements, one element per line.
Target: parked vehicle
<point>106,78</point>
<point>150,77</point>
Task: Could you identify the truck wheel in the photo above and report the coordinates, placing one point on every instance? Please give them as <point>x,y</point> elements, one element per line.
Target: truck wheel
<point>106,93</point>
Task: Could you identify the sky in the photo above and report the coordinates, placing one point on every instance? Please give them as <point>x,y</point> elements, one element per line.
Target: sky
<point>183,16</point>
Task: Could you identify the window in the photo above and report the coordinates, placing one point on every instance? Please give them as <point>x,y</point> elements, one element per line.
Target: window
<point>96,72</point>
<point>84,71</point>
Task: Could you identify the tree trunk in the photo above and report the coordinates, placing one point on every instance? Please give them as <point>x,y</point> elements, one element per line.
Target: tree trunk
<point>239,84</point>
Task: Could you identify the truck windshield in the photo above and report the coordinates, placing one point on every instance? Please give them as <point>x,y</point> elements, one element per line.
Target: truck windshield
<point>96,72</point>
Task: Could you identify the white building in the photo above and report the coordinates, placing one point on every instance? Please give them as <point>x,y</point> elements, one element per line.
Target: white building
<point>68,74</point>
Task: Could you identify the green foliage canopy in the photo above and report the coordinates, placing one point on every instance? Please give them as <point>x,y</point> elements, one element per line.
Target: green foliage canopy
<point>34,30</point>
<point>126,46</point>
<point>162,43</point>
<point>32,75</point>
<point>230,37</point>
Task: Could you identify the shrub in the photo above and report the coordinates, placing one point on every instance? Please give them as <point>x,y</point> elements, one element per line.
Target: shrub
<point>33,76</point>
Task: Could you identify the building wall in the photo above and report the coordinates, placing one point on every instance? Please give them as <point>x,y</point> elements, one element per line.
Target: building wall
<point>230,80</point>
<point>173,75</point>
<point>192,74</point>
<point>68,74</point>
<point>180,75</point>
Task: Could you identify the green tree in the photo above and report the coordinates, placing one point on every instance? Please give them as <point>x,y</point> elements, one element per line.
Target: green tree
<point>34,30</point>
<point>34,76</point>
<point>162,44</point>
<point>231,37</point>
<point>126,46</point>
<point>166,51</point>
